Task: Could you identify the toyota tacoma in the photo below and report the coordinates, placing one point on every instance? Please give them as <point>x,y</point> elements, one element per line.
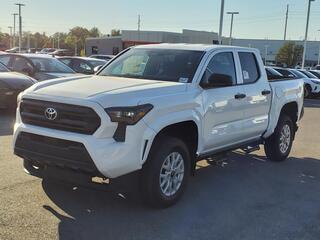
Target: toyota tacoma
<point>156,110</point>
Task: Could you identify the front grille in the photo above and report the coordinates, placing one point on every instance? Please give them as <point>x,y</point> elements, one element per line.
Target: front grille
<point>55,152</point>
<point>70,118</point>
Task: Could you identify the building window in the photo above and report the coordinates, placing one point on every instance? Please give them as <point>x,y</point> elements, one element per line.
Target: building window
<point>94,50</point>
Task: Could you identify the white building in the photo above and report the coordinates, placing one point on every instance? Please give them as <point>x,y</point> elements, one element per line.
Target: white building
<point>268,48</point>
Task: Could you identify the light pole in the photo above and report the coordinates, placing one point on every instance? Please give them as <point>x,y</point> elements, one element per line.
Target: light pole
<point>319,52</point>
<point>286,24</point>
<point>10,36</point>
<point>265,54</point>
<point>14,28</point>
<point>231,25</point>
<point>221,21</point>
<point>306,35</point>
<point>20,24</point>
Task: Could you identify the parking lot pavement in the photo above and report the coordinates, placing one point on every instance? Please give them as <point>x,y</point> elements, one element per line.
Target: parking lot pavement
<point>248,198</point>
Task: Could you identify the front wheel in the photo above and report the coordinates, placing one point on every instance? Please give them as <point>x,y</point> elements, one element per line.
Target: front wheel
<point>166,172</point>
<point>278,145</point>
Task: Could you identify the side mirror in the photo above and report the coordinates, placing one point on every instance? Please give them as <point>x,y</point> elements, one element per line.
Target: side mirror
<point>218,81</point>
<point>97,68</point>
<point>88,71</point>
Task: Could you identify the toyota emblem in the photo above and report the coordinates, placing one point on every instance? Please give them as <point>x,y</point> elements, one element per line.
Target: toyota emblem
<point>51,114</point>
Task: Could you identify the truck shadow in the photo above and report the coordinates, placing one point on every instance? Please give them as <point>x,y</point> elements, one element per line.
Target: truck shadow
<point>7,119</point>
<point>227,201</point>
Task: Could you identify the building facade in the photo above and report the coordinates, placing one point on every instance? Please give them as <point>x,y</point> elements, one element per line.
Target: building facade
<point>268,48</point>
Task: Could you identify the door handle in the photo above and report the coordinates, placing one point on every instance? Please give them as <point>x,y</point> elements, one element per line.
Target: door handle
<point>240,96</point>
<point>265,92</point>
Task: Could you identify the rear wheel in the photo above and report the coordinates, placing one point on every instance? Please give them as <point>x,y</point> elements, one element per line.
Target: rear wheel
<point>166,173</point>
<point>278,145</point>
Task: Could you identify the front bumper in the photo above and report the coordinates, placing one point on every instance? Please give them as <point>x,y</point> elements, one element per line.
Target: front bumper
<point>109,158</point>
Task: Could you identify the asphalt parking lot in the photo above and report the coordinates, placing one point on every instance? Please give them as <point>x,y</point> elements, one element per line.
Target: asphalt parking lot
<point>247,198</point>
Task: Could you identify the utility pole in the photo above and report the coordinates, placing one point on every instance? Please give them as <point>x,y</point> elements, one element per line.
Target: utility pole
<point>139,25</point>
<point>266,54</point>
<point>319,52</point>
<point>286,23</point>
<point>10,36</point>
<point>58,40</point>
<point>14,28</point>
<point>231,26</point>
<point>221,22</point>
<point>20,24</point>
<point>306,35</point>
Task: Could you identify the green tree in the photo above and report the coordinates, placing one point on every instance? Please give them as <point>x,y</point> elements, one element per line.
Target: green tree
<point>76,38</point>
<point>115,32</point>
<point>94,32</point>
<point>4,41</point>
<point>290,54</point>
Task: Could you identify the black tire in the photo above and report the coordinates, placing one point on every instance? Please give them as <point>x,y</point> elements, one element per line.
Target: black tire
<point>307,91</point>
<point>272,145</point>
<point>151,189</point>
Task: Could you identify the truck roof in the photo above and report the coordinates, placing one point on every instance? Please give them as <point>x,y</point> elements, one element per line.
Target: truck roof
<point>191,47</point>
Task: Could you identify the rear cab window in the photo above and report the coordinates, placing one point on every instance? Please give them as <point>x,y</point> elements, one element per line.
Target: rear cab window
<point>249,67</point>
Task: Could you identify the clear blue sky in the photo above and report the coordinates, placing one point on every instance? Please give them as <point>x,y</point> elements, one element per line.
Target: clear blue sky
<point>257,19</point>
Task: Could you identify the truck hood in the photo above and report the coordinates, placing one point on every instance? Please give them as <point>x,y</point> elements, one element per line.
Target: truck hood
<point>103,88</point>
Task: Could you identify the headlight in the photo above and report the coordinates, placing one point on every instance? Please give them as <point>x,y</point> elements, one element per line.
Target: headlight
<point>315,82</point>
<point>128,115</point>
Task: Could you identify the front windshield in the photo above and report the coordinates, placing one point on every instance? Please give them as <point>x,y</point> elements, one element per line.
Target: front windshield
<point>274,72</point>
<point>50,65</point>
<point>155,64</point>
<point>299,74</point>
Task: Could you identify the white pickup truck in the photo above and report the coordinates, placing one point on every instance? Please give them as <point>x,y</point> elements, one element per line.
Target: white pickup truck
<point>156,110</point>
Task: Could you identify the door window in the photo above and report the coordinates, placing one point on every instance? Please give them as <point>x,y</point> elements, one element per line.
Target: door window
<point>249,66</point>
<point>222,65</point>
<point>20,64</point>
<point>5,59</point>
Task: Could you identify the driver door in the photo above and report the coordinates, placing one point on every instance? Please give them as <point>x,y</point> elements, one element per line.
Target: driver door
<point>223,105</point>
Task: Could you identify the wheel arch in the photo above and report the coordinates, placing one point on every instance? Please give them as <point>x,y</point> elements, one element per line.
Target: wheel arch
<point>188,131</point>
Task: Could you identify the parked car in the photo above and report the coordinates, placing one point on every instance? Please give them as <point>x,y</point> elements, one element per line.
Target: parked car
<point>82,64</point>
<point>11,84</point>
<point>34,50</point>
<point>311,82</point>
<point>157,109</point>
<point>62,52</point>
<point>16,50</point>
<point>40,67</point>
<point>46,51</point>
<point>272,74</point>
<point>102,57</point>
<point>317,67</point>
<point>311,85</point>
<point>285,72</point>
<point>315,73</point>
